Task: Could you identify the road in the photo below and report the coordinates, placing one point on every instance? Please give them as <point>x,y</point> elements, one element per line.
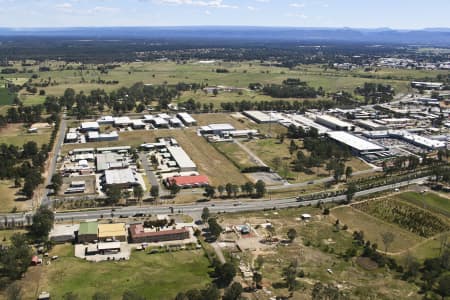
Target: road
<point>51,170</point>
<point>319,181</point>
<point>224,206</point>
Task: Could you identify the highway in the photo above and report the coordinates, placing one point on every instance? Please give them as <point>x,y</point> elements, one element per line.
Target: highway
<point>224,206</point>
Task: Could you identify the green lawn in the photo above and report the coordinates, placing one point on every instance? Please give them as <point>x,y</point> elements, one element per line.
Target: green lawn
<point>155,276</point>
<point>430,201</point>
<point>17,135</point>
<point>6,98</point>
<point>236,154</point>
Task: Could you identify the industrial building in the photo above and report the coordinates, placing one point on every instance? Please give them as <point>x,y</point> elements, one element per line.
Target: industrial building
<point>112,232</point>
<point>184,162</point>
<point>371,125</point>
<point>404,135</point>
<point>106,120</point>
<point>124,178</point>
<point>357,144</point>
<point>187,181</point>
<point>122,122</point>
<point>63,233</point>
<point>260,117</point>
<point>307,123</point>
<point>89,126</point>
<point>139,234</point>
<point>187,119</point>
<point>94,136</point>
<point>217,129</point>
<point>137,124</point>
<point>427,85</point>
<point>334,123</point>
<point>110,160</point>
<point>87,232</point>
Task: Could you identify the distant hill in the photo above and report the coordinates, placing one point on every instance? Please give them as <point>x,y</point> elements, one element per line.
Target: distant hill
<point>431,36</point>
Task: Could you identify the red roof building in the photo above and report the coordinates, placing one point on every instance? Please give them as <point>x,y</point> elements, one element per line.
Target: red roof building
<point>188,181</point>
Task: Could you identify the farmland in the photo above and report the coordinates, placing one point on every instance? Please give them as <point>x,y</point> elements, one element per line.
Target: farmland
<point>6,98</point>
<point>406,216</point>
<point>428,200</point>
<point>160,276</point>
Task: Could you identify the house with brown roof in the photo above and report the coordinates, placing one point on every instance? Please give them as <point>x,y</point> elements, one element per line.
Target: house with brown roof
<point>139,234</point>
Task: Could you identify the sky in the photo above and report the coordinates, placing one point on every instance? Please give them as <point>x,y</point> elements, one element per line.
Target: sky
<point>396,14</point>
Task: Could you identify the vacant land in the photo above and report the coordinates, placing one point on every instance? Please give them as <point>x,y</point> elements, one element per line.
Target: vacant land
<point>10,200</point>
<point>316,249</point>
<point>210,162</point>
<point>157,276</point>
<point>235,154</point>
<point>374,227</point>
<point>269,149</point>
<point>16,134</point>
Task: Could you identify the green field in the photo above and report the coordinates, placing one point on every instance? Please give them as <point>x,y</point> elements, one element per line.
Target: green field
<point>16,134</point>
<point>240,75</point>
<point>156,276</point>
<point>430,201</point>
<point>235,154</point>
<point>6,98</point>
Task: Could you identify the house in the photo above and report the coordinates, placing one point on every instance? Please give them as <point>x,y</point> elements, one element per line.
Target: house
<point>138,124</point>
<point>112,232</point>
<point>63,233</point>
<point>106,120</point>
<point>139,234</point>
<point>122,121</point>
<point>71,137</point>
<point>174,122</point>
<point>88,232</point>
<point>94,136</point>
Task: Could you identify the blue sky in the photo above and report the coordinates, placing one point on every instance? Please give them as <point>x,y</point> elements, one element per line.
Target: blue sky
<point>400,14</point>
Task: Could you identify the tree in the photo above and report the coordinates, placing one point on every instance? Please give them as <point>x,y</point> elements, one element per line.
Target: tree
<point>260,188</point>
<point>220,189</point>
<point>229,189</point>
<point>114,194</point>
<point>249,187</point>
<point>351,191</point>
<point>292,147</point>
<point>233,292</point>
<point>131,295</point>
<point>257,279</point>
<point>348,172</point>
<point>292,234</point>
<point>271,230</point>
<point>214,227</point>
<point>101,296</point>
<point>210,292</point>
<point>225,273</point>
<point>210,191</point>
<point>42,223</point>
<point>57,182</point>
<point>387,238</point>
<point>205,214</point>
<point>235,189</point>
<point>154,191</point>
<point>14,292</point>
<point>290,275</point>
<point>338,171</point>
<point>138,192</point>
<point>16,258</point>
<point>444,286</point>
<point>174,189</point>
<point>259,262</point>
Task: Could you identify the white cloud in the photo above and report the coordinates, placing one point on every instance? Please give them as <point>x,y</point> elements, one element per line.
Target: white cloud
<point>297,5</point>
<point>64,6</point>
<point>207,12</point>
<point>263,1</point>
<point>295,15</point>
<point>252,8</point>
<point>210,3</point>
<point>103,9</point>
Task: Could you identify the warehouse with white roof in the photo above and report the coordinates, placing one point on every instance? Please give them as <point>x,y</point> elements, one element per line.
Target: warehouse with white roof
<point>184,162</point>
<point>260,117</point>
<point>357,144</point>
<point>187,119</point>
